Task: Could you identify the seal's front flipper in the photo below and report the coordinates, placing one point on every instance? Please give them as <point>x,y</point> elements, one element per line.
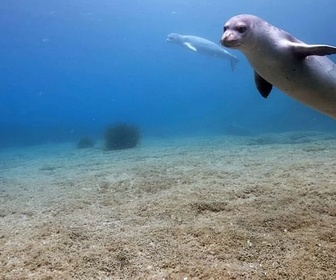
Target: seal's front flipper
<point>263,86</point>
<point>303,50</point>
<point>190,46</point>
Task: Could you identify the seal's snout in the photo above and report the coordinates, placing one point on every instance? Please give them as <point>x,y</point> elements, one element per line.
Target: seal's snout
<point>170,38</point>
<point>230,39</point>
<point>227,39</point>
<point>222,40</point>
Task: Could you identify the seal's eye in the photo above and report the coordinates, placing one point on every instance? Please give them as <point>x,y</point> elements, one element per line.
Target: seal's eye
<point>225,28</point>
<point>241,28</point>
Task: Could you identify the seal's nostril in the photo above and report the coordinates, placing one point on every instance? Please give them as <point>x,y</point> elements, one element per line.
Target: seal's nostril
<point>222,40</point>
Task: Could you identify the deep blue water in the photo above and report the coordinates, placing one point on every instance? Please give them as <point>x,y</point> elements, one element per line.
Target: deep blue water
<point>71,67</point>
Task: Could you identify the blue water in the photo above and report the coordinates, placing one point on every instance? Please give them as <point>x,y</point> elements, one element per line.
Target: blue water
<point>71,67</point>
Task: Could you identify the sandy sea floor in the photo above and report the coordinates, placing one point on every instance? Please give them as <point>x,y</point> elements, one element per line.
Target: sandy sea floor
<point>195,208</point>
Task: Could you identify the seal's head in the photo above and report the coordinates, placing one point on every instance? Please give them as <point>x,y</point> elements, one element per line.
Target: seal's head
<point>173,38</point>
<point>238,31</point>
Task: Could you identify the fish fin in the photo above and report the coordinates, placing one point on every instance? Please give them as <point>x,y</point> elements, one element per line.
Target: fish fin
<point>233,61</point>
<point>304,50</point>
<point>190,46</point>
<point>263,86</point>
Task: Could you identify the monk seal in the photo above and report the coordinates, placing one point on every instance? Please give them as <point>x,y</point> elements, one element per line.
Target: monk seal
<point>202,46</point>
<point>300,70</point>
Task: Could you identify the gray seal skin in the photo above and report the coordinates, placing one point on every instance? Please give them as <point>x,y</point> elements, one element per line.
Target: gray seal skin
<point>300,70</point>
<point>202,46</point>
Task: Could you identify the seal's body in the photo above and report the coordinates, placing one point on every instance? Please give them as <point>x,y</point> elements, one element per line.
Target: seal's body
<point>300,70</point>
<point>202,46</point>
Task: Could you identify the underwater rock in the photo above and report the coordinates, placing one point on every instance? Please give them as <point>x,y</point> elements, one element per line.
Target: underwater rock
<point>121,136</point>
